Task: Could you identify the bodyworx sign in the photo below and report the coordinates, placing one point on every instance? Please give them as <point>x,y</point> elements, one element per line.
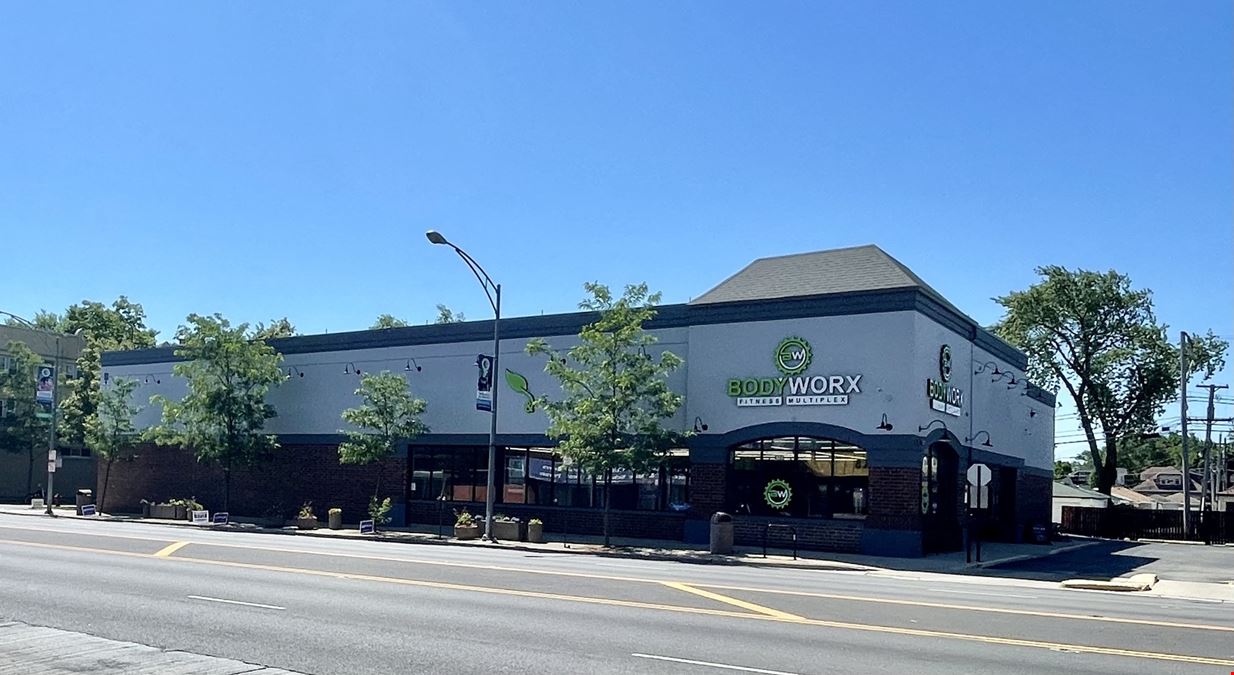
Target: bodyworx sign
<point>793,357</point>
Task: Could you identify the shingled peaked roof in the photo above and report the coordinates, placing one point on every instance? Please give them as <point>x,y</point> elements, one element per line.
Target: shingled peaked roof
<point>841,270</point>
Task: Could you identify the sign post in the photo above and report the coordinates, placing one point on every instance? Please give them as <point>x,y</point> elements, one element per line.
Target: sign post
<point>978,476</point>
<point>45,396</point>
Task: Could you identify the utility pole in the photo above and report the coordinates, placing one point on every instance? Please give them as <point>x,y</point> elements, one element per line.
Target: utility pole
<point>1209,485</point>
<point>1182,398</point>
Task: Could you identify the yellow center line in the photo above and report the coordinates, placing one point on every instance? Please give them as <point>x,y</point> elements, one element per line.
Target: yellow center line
<point>731,601</point>
<point>788,619</point>
<point>703,585</point>
<point>166,551</point>
<point>975,608</point>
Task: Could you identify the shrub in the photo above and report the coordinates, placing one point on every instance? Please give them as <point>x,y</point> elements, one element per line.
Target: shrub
<point>306,512</point>
<point>463,519</point>
<point>377,510</point>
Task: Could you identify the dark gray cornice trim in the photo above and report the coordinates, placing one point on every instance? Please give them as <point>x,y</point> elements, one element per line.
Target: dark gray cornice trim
<point>668,316</point>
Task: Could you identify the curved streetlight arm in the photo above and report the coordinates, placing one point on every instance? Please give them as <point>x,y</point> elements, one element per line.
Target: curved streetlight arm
<point>486,282</point>
<point>22,321</point>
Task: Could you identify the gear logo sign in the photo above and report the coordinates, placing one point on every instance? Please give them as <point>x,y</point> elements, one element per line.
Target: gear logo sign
<point>778,493</point>
<point>793,355</point>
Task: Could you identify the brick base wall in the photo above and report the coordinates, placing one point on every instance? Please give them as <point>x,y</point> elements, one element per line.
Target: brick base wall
<point>640,524</point>
<point>895,498</point>
<point>294,475</point>
<point>815,535</point>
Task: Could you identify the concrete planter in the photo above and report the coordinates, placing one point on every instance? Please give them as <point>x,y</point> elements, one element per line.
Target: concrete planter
<point>336,520</point>
<point>505,530</point>
<point>535,533</point>
<point>469,532</point>
<point>306,523</point>
<point>167,511</point>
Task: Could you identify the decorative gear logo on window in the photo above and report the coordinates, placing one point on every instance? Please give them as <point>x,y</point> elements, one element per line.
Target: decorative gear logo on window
<point>778,493</point>
<point>793,355</point>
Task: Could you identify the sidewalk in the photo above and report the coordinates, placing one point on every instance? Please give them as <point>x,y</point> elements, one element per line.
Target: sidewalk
<point>642,549</point>
<point>35,650</point>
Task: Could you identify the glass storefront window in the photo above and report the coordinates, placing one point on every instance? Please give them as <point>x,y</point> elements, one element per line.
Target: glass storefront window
<point>825,478</point>
<point>538,476</point>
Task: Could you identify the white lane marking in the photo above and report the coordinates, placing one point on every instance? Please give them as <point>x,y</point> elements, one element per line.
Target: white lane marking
<point>235,602</point>
<point>992,595</point>
<point>725,666</point>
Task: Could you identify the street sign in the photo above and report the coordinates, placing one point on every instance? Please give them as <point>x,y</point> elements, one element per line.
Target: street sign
<point>51,455</point>
<point>979,474</point>
<point>366,527</point>
<point>200,517</point>
<point>88,510</point>
<point>220,518</point>
<point>51,466</point>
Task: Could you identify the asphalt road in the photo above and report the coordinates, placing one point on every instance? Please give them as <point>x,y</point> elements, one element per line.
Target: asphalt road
<point>1175,561</point>
<point>322,606</point>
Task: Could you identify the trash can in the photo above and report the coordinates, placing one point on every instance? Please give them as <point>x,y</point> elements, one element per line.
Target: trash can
<point>721,533</point>
<point>84,497</point>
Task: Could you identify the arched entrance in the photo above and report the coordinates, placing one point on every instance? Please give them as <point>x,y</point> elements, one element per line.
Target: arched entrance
<point>798,477</point>
<point>940,499</point>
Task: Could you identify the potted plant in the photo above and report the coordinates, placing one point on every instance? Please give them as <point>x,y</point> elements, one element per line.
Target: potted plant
<point>336,518</point>
<point>465,526</point>
<point>535,531</point>
<point>306,520</point>
<point>505,528</point>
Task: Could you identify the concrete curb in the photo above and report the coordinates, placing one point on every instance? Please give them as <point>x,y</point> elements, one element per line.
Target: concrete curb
<point>1031,556</point>
<point>810,564</point>
<point>1131,584</point>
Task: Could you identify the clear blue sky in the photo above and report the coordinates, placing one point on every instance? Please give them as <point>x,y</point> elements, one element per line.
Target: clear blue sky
<point>284,158</point>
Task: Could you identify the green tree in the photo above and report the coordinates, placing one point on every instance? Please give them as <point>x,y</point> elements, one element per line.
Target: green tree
<point>1098,338</point>
<point>616,396</point>
<point>388,414</point>
<point>228,374</point>
<point>278,328</point>
<point>447,315</point>
<point>387,321</point>
<point>122,326</point>
<point>1062,469</point>
<point>110,434</point>
<point>23,429</point>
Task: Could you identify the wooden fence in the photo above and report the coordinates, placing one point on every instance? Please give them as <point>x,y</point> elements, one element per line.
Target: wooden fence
<point>1213,527</point>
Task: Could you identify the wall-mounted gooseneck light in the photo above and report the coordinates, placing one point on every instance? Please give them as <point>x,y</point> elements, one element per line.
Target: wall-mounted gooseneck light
<point>699,425</point>
<point>979,434</point>
<point>884,425</point>
<point>932,423</point>
<point>294,370</point>
<point>411,363</point>
<point>988,365</point>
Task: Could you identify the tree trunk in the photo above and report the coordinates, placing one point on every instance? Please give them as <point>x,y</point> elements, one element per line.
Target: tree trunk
<point>227,489</point>
<point>106,479</point>
<point>1107,471</point>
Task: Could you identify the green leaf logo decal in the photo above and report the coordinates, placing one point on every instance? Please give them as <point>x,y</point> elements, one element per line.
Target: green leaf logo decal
<point>519,384</point>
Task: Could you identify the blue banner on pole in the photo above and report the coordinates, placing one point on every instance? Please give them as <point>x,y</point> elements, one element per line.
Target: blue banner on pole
<point>484,383</point>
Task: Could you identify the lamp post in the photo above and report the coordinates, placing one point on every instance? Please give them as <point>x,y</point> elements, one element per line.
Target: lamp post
<point>493,291</point>
<point>55,404</point>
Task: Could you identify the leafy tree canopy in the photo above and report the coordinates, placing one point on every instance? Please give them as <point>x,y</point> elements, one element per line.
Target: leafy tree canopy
<point>22,428</point>
<point>278,328</point>
<point>228,373</point>
<point>388,321</point>
<point>446,315</point>
<point>388,414</point>
<point>110,434</point>
<point>1096,336</point>
<point>615,393</point>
